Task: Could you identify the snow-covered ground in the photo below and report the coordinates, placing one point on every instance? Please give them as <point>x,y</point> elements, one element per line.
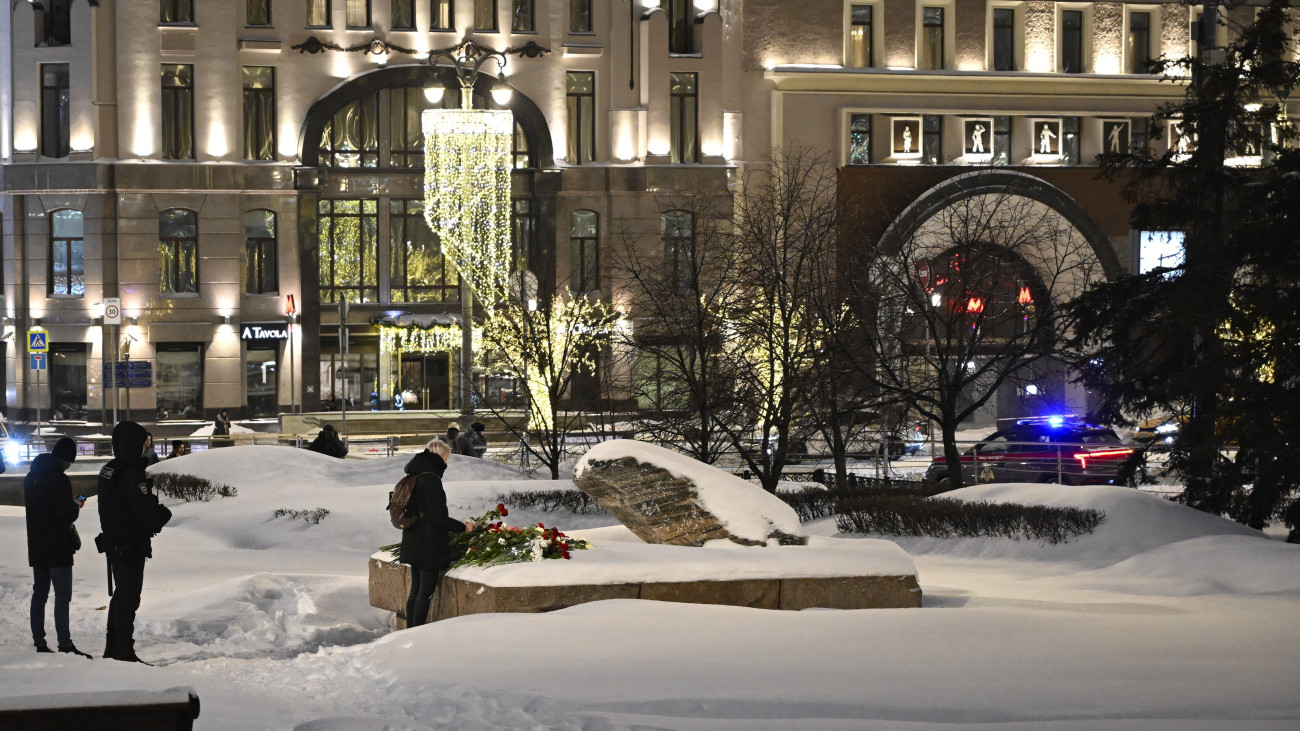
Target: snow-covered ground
<point>1164,618</point>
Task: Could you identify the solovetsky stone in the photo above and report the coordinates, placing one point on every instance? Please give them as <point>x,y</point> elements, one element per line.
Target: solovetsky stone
<point>665,497</point>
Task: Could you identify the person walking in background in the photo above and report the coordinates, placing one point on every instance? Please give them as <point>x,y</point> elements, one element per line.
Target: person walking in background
<point>425,545</point>
<point>221,429</point>
<point>52,539</point>
<point>180,448</point>
<point>130,516</point>
<point>150,454</point>
<point>450,438</point>
<point>472,443</point>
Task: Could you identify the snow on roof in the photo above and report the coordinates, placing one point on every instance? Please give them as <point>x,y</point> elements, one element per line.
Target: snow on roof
<point>743,508</point>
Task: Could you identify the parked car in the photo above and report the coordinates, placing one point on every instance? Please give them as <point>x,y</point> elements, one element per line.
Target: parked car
<point>1043,450</point>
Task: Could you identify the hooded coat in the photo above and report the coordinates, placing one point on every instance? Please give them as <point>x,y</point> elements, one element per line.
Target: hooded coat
<point>425,544</point>
<point>51,511</point>
<point>129,513</point>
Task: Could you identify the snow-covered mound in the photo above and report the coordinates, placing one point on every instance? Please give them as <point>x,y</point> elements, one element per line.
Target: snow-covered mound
<point>254,465</point>
<point>1220,564</point>
<point>740,506</point>
<point>1135,523</point>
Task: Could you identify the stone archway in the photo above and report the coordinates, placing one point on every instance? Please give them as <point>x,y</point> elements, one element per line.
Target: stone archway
<point>527,114</point>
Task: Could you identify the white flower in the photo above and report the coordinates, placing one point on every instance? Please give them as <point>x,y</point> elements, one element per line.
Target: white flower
<point>502,541</point>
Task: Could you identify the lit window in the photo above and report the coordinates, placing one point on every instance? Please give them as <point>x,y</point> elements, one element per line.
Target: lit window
<point>931,56</point>
<point>861,36</point>
<point>581,90</point>
<point>860,139</point>
<point>358,13</point>
<point>1160,250</point>
<point>444,15</point>
<point>67,258</point>
<point>521,16</point>
<point>259,113</point>
<point>318,13</point>
<point>260,252</point>
<point>684,110</point>
<point>54,109</point>
<point>176,12</point>
<point>178,251</point>
<point>257,12</point>
<point>584,252</point>
<point>579,16</point>
<point>347,238</point>
<point>1139,42</point>
<point>485,15</point>
<point>177,112</point>
<point>420,272</point>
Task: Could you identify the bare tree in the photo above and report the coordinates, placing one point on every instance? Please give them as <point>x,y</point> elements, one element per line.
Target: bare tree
<point>676,280</point>
<point>968,301</point>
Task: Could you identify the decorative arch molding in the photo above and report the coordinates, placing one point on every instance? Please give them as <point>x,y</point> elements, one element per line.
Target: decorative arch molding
<point>527,114</point>
<point>982,182</point>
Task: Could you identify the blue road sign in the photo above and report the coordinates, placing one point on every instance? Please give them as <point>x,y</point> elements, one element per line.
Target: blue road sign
<point>132,373</point>
<point>37,341</point>
<point>39,361</point>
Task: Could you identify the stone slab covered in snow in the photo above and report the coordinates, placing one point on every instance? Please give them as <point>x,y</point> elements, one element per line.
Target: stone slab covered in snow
<point>666,497</point>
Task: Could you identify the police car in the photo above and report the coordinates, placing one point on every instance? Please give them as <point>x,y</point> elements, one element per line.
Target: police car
<point>1051,449</point>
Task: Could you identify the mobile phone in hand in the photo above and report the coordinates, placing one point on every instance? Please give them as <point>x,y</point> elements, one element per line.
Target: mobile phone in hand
<point>81,498</point>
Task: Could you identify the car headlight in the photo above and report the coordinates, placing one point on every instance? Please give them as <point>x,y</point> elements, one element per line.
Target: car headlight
<point>11,452</point>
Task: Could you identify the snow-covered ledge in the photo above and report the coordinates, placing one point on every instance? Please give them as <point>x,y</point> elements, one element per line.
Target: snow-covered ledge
<point>835,573</point>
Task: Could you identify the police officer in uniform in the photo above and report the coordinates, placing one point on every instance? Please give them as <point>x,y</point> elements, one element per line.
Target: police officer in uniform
<point>130,516</point>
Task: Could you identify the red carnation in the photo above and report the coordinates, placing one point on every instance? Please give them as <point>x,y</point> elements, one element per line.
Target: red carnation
<point>501,508</point>
<point>539,525</point>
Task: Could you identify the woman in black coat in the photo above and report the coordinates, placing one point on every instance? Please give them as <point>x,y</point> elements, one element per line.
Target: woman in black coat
<point>425,544</point>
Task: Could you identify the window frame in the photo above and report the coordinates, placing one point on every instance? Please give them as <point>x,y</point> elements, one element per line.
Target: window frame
<point>678,113</point>
<point>393,22</point>
<point>61,123</point>
<point>584,251</point>
<point>1017,35</point>
<point>580,108</point>
<point>177,94</point>
<point>255,249</point>
<point>1152,38</point>
<point>67,242</point>
<point>581,21</point>
<point>260,92</point>
<point>177,6</point>
<point>529,8</point>
<point>946,29</point>
<point>490,7</point>
<point>681,27</point>
<point>851,118</point>
<point>347,15</point>
<point>55,23</point>
<point>434,15</point>
<point>873,35</point>
<point>269,18</point>
<point>1085,37</point>
<point>367,276</point>
<point>178,246</point>
<point>326,13</point>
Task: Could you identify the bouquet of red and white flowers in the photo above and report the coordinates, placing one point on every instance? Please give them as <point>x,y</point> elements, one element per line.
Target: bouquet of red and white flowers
<point>492,542</point>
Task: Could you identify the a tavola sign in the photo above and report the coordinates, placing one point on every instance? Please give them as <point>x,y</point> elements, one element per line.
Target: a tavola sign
<point>264,331</point>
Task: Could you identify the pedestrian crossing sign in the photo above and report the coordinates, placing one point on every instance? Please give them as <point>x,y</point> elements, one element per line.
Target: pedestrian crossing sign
<point>38,341</point>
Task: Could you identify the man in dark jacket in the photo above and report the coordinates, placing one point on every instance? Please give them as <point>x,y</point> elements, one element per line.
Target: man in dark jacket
<point>425,544</point>
<point>472,443</point>
<point>327,442</point>
<point>130,516</point>
<point>51,540</point>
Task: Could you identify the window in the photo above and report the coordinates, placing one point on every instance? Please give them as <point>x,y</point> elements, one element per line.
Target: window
<point>260,253</point>
<point>351,137</point>
<point>679,247</point>
<point>54,109</point>
<point>178,377</point>
<point>584,252</point>
<point>357,13</point>
<point>581,89</point>
<point>579,16</point>
<point>485,14</point>
<point>177,112</point>
<point>1139,42</point>
<point>521,229</point>
<point>681,26</point>
<point>176,12</point>
<point>1004,39</point>
<point>859,139</point>
<point>522,156</point>
<point>1160,249</point>
<point>178,251</point>
<point>402,13</point>
<point>67,262</point>
<point>1001,140</point>
<point>260,378</point>
<point>930,49</point>
<point>1138,135</point>
<point>861,36</point>
<point>318,14</point>
<point>444,15</point>
<point>67,366</point>
<point>257,12</point>
<point>420,272</point>
<point>684,111</point>
<point>259,113</point>
<point>405,136</point>
<point>55,22</point>
<point>348,232</point>
<point>932,139</point>
<point>1072,41</point>
<point>521,16</point>
<point>1070,141</point>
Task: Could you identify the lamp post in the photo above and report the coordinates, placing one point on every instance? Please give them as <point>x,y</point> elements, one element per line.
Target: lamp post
<point>468,158</point>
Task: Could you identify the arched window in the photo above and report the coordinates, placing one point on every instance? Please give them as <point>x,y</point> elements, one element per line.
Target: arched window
<point>178,251</point>
<point>260,258</point>
<point>67,262</point>
<point>679,247</point>
<point>584,252</point>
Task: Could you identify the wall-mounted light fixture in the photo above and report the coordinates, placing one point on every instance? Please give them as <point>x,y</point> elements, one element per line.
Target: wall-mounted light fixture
<point>36,322</point>
<point>135,320</point>
<point>225,319</point>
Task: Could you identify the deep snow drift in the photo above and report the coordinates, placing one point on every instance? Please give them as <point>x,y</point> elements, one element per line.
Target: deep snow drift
<point>1162,618</point>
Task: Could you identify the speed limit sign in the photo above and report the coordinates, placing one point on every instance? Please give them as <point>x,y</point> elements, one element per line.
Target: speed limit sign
<point>112,311</point>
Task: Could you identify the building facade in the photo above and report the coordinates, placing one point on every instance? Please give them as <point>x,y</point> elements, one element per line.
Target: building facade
<point>232,172</point>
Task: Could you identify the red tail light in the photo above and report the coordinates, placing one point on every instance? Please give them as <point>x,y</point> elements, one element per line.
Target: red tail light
<point>1083,457</point>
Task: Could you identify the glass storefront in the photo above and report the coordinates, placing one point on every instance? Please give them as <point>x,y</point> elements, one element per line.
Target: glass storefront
<point>354,376</point>
<point>425,380</point>
<point>261,376</point>
<point>178,376</point>
<point>67,366</point>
